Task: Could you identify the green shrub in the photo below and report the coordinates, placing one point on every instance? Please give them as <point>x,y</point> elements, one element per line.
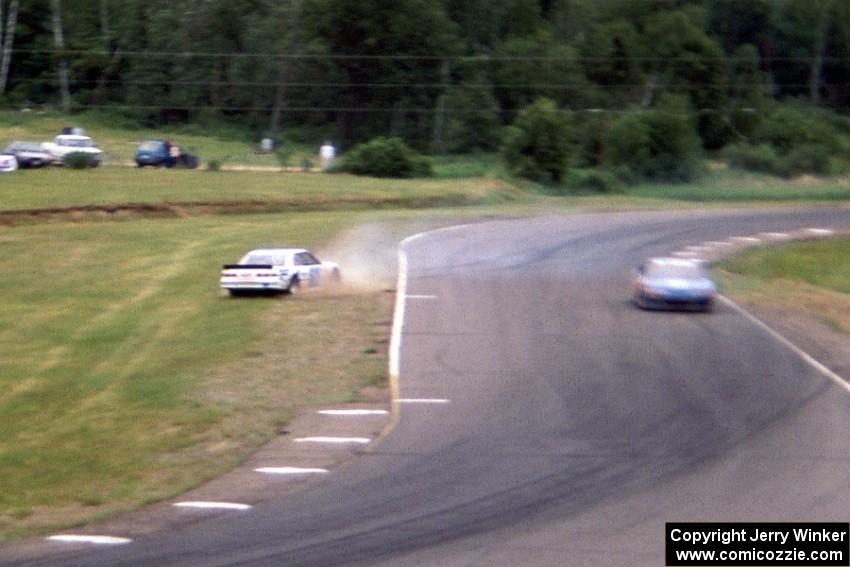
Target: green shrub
<point>592,140</point>
<point>537,145</point>
<point>214,165</point>
<point>660,144</point>
<point>808,158</point>
<point>716,130</point>
<point>629,146</point>
<point>594,181</point>
<point>80,160</point>
<point>386,157</point>
<point>760,157</point>
<point>802,139</point>
<point>788,126</point>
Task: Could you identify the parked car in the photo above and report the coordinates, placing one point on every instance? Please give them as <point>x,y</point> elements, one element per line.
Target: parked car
<point>161,153</point>
<point>672,283</point>
<point>277,270</point>
<point>8,163</point>
<point>66,144</point>
<point>28,154</point>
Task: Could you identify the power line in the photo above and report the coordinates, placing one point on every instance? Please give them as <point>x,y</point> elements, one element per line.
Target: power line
<point>371,110</point>
<point>416,57</point>
<point>302,84</point>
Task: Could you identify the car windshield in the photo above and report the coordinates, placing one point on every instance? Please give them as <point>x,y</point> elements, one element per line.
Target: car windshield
<point>150,146</point>
<point>76,142</point>
<point>679,271</point>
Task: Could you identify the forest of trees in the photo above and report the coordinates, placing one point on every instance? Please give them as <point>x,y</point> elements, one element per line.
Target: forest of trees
<point>444,75</point>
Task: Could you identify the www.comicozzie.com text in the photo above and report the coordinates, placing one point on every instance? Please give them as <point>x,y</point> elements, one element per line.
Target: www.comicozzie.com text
<point>726,537</point>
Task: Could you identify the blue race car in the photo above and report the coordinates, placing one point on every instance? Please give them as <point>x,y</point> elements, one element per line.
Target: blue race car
<point>672,283</point>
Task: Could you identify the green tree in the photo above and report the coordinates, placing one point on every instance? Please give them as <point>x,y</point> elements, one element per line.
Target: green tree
<point>660,143</point>
<point>522,18</point>
<point>537,145</point>
<point>802,34</point>
<point>688,61</point>
<point>472,117</point>
<point>572,19</point>
<point>833,77</point>
<point>747,92</point>
<point>610,53</point>
<point>528,68</point>
<point>477,21</point>
<point>392,62</point>
<point>734,24</point>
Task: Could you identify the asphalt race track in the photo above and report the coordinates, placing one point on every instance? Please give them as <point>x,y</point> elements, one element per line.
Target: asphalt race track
<point>575,424</point>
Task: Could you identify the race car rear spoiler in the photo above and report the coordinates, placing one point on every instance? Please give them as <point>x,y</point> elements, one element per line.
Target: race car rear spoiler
<point>247,266</point>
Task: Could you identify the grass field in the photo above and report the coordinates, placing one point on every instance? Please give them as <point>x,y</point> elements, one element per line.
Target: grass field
<point>810,276</point>
<point>735,186</point>
<point>127,377</point>
<point>58,187</point>
<point>268,191</point>
<point>118,138</point>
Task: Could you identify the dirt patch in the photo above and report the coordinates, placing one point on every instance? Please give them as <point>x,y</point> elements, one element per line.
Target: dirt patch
<point>190,208</point>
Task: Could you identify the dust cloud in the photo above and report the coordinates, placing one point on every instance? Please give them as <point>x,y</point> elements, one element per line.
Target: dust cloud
<point>367,256</point>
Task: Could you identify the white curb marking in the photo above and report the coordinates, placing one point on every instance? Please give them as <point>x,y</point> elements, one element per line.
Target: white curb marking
<point>421,296</point>
<point>334,440</point>
<point>398,319</point>
<point>820,231</point>
<point>213,505</point>
<point>744,239</point>
<point>352,412</point>
<point>96,540</point>
<point>290,470</point>
<point>776,235</point>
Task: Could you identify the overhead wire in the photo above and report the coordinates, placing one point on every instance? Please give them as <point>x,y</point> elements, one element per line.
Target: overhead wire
<point>410,85</point>
<point>415,57</point>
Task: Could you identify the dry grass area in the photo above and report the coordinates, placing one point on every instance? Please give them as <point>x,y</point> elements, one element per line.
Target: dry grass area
<point>327,347</point>
<point>830,307</point>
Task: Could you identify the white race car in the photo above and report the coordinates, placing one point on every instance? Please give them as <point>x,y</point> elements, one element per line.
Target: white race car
<point>66,144</point>
<point>278,270</point>
<point>8,163</point>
